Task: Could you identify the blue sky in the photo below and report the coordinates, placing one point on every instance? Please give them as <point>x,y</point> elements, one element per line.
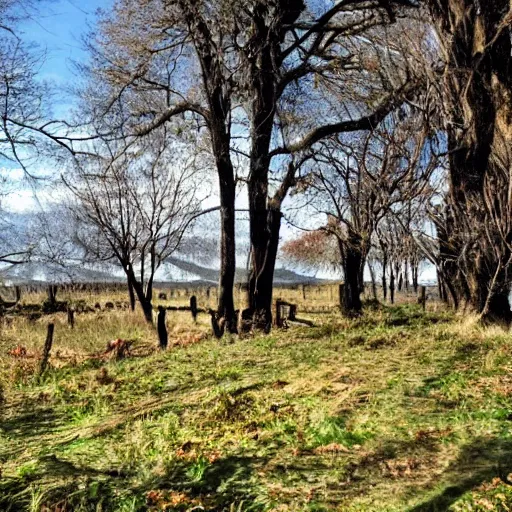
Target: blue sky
<point>58,30</point>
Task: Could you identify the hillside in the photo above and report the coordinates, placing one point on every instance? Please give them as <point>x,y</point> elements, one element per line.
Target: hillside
<point>173,270</point>
<point>395,411</point>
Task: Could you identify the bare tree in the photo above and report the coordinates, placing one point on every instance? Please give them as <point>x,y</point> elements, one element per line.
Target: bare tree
<point>240,67</point>
<point>28,132</point>
<point>23,100</point>
<point>137,208</point>
<point>356,182</point>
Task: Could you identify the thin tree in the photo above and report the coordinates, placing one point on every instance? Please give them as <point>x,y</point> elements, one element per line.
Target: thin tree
<point>137,208</point>
<point>238,66</point>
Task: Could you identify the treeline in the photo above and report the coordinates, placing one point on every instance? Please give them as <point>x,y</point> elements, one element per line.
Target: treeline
<point>386,123</point>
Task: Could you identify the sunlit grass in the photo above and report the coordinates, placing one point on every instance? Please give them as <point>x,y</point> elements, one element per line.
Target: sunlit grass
<point>384,412</point>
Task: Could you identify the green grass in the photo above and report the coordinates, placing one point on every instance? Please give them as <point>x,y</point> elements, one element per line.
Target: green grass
<point>398,410</point>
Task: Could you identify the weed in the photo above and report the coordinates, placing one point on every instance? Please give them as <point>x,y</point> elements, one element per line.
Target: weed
<point>37,497</point>
<point>332,430</point>
<point>232,406</point>
<point>27,470</point>
<point>197,469</point>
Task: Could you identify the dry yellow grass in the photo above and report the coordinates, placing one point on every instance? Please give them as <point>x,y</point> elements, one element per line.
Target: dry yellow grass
<point>398,410</point>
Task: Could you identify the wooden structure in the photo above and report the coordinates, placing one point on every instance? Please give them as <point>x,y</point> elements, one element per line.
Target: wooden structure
<point>286,312</point>
<point>162,328</point>
<point>193,307</point>
<point>47,349</point>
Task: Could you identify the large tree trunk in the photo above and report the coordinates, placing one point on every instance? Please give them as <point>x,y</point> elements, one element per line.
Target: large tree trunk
<point>264,255</point>
<point>265,211</point>
<point>131,295</point>
<point>263,222</point>
<point>217,89</point>
<point>479,85</point>
<point>226,304</point>
<point>353,261</point>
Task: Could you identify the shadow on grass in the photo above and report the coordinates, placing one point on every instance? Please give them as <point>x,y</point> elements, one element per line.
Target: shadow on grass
<point>31,423</point>
<point>31,426</point>
<point>15,492</point>
<point>222,483</point>
<point>216,486</point>
<point>480,461</point>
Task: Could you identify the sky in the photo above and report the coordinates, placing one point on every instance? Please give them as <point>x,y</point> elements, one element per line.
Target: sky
<point>59,30</point>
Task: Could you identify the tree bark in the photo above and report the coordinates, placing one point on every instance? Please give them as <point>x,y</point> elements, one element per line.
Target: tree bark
<point>440,286</point>
<point>400,279</point>
<point>374,283</point>
<point>131,295</point>
<point>47,349</point>
<point>384,277</point>
<point>264,221</point>
<point>391,285</point>
<point>415,273</point>
<point>226,304</point>
<point>138,288</point>
<point>265,244</point>
<point>264,211</point>
<point>217,88</point>
<point>353,262</point>
<point>478,87</point>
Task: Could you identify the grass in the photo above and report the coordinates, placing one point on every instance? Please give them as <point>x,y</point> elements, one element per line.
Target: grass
<point>398,410</point>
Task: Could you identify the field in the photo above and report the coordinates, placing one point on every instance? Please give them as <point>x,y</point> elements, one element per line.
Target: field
<point>399,410</point>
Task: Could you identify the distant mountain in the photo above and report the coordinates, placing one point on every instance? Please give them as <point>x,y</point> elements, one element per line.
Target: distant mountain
<point>36,272</point>
<point>281,275</point>
<point>174,270</point>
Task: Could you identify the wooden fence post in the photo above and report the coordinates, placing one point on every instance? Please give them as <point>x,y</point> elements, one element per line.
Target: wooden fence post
<point>17,292</point>
<point>47,349</point>
<point>162,329</point>
<point>422,299</point>
<point>193,307</point>
<point>71,317</point>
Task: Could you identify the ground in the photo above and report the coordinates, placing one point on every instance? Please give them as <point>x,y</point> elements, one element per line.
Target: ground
<point>398,410</point>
